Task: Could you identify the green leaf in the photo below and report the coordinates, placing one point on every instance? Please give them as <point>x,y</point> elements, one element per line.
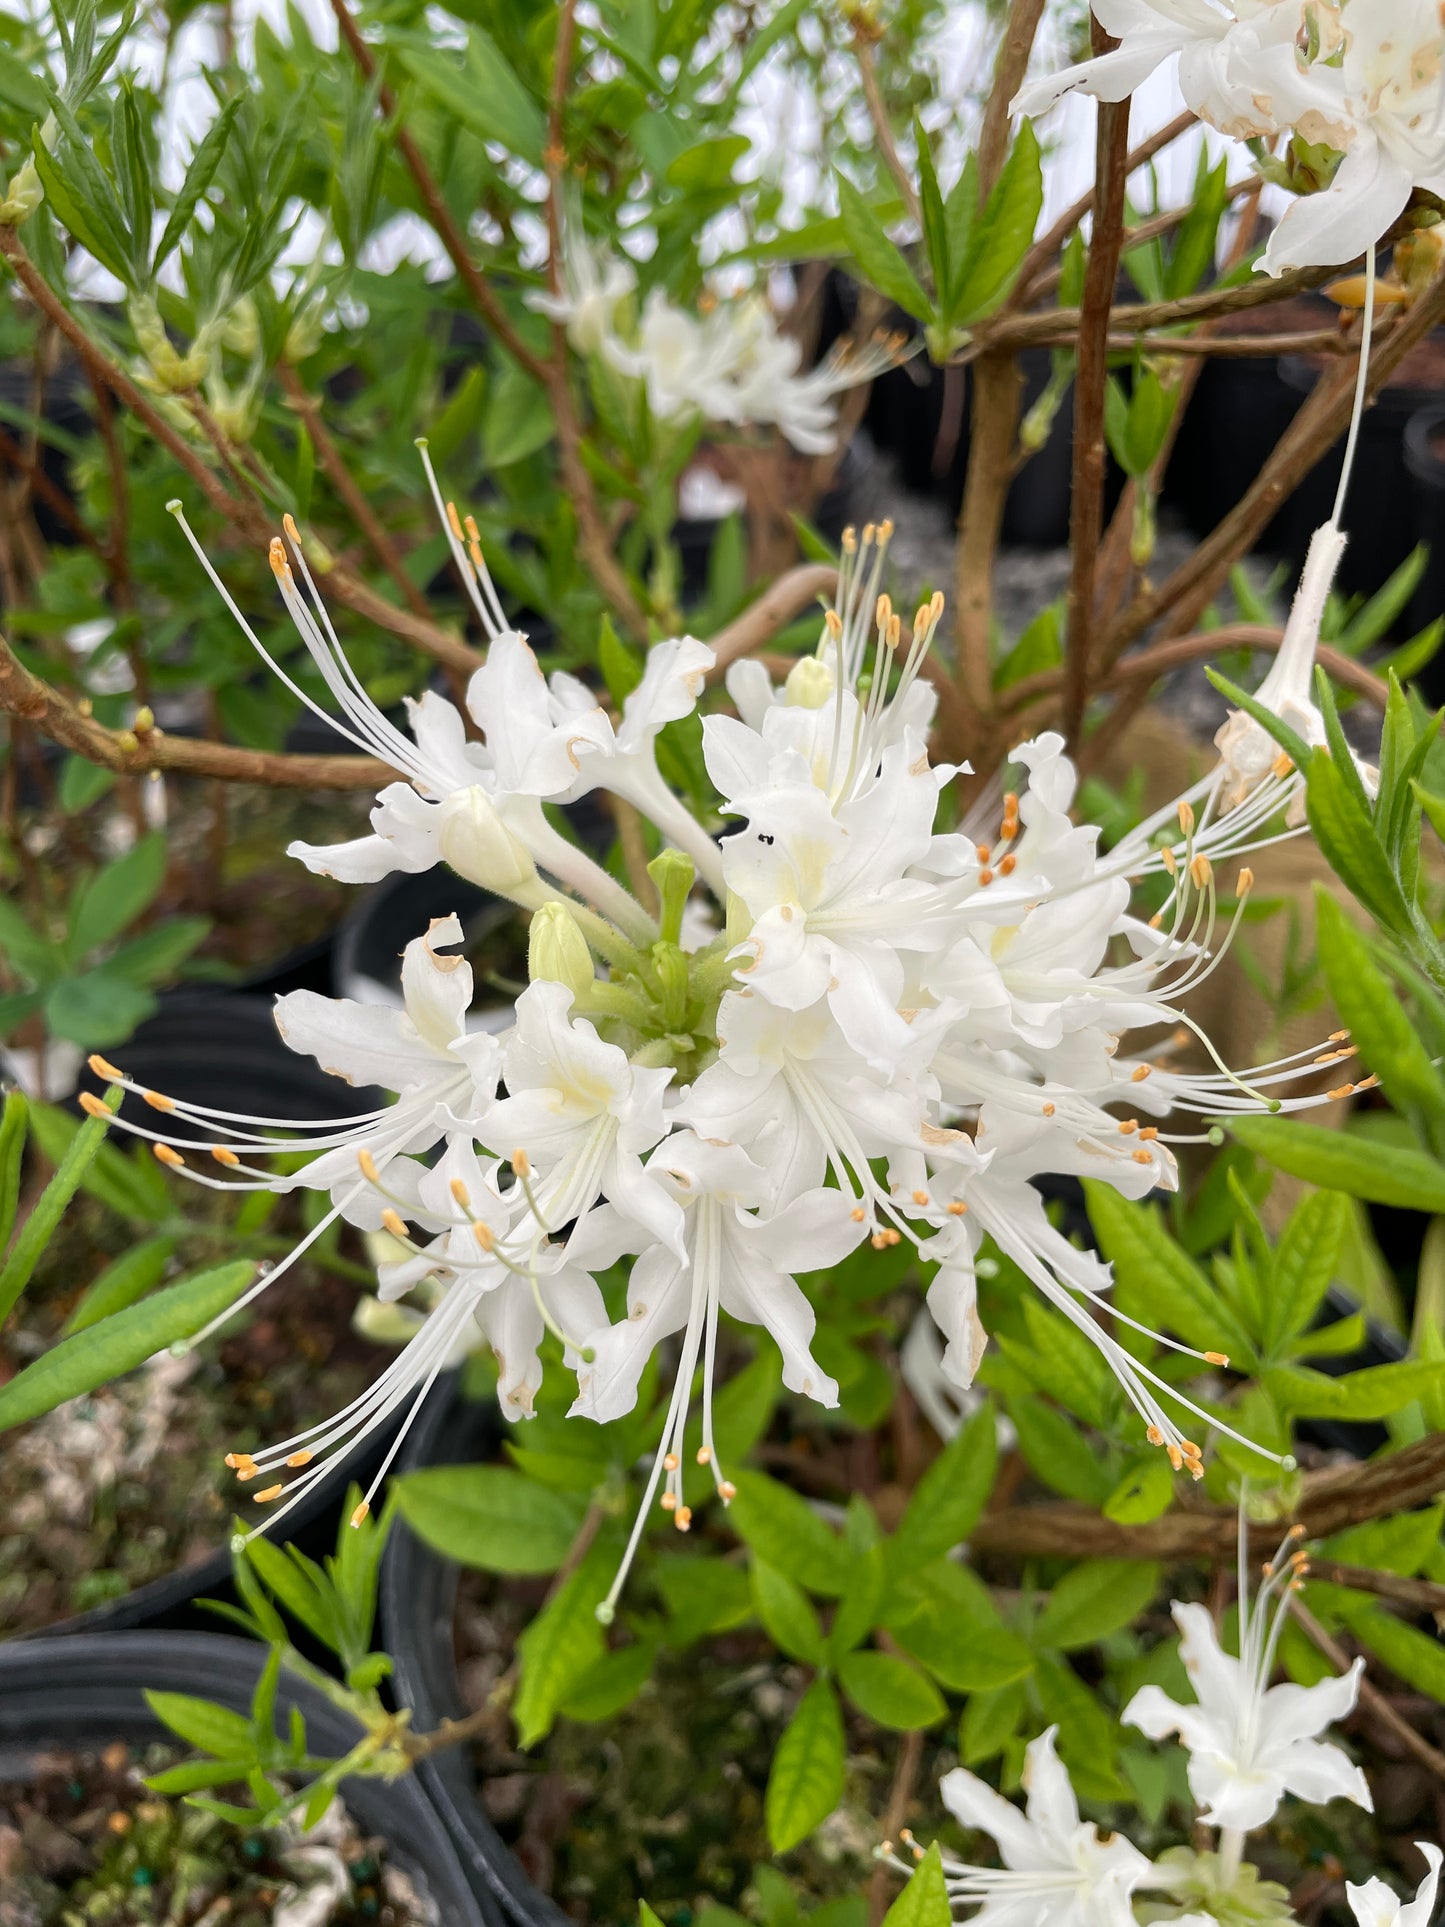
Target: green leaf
<point>158,954</point>
<point>1374,1016</point>
<point>562,1644</point>
<point>946,1619</point>
<point>117,895</point>
<point>12,1156</point>
<point>1345,832</point>
<point>1094,1599</point>
<point>484,93</point>
<point>948,1500</point>
<point>882,263</point>
<point>123,1282</point>
<point>30,952</point>
<point>1305,1261</point>
<point>82,783</point>
<point>611,1684</point>
<point>1002,234</point>
<point>990,1721</point>
<point>85,1142</point>
<point>96,1010</point>
<point>214,1729</point>
<point>1056,1451</point>
<point>703,1595</point>
<point>787,1616</point>
<point>101,231</point>
<point>1336,1161</point>
<point>935,217</point>
<point>134,1186</point>
<point>708,164</point>
<point>300,1585</point>
<point>119,1344</point>
<point>489,1517</point>
<point>924,1900</point>
<point>1415,1657</point>
<point>199,175</point>
<point>1145,1491</point>
<point>783,1529</point>
<point>890,1692</point>
<point>858,1608</point>
<point>518,419</point>
<point>1156,1281</point>
<point>806,1779</point>
<point>1375,1393</point>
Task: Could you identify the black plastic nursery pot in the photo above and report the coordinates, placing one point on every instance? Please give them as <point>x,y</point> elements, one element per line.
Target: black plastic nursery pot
<point>366,956</point>
<point>87,1691</point>
<point>418,1598</point>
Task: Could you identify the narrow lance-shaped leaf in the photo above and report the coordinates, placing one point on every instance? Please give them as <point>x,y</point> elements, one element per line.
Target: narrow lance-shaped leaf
<point>41,1224</point>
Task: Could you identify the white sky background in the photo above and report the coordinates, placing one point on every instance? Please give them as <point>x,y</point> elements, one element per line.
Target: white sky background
<point>779,117</point>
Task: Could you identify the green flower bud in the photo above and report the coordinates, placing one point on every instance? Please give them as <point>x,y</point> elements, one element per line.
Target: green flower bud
<point>809,684</point>
<point>557,950</point>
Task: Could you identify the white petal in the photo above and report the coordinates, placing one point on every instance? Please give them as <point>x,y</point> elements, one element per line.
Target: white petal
<point>1358,206</point>
<point>973,1803</point>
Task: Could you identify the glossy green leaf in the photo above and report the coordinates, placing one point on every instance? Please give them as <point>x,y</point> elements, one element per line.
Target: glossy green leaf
<point>924,1900</point>
<point>1156,1281</point>
<point>562,1644</point>
<point>1094,1599</point>
<point>786,1614</point>
<point>116,895</point>
<point>215,1729</point>
<point>490,1517</point>
<point>882,263</point>
<point>783,1529</point>
<point>125,1281</point>
<point>1375,1393</point>
<point>1379,1026</point>
<point>1002,234</point>
<point>1305,1261</point>
<point>890,1692</point>
<point>1337,1161</point>
<point>805,1782</point>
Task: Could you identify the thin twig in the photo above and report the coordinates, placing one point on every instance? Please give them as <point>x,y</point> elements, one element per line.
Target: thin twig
<point>54,497</point>
<point>1371,1697</point>
<point>878,114</point>
<point>779,604</point>
<point>881,1882</point>
<point>1090,380</point>
<point>1009,67</point>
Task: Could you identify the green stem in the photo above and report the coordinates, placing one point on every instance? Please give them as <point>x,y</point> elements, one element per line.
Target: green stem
<point>41,1225</point>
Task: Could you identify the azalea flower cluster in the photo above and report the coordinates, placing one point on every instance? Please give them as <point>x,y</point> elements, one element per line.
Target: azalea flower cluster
<point>1248,1744</point>
<point>1361,80</point>
<point>838,1024</point>
<point>729,364</point>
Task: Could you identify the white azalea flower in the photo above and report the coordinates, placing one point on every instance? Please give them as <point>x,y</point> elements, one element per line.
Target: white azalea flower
<point>1058,1870</point>
<point>1250,1743</point>
<point>596,284</point>
<point>732,1258</point>
<point>1376,98</point>
<point>1377,1905</point>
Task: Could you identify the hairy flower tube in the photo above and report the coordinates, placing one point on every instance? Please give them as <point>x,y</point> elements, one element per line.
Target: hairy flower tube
<point>840,1025</point>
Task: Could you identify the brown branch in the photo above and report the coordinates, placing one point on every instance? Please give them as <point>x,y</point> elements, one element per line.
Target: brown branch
<point>881,1881</point>
<point>54,497</point>
<point>240,512</point>
<point>1329,1501</point>
<point>1420,1595</point>
<point>1371,1698</point>
<point>1318,341</point>
<point>129,752</point>
<point>1009,67</point>
<point>997,392</point>
<point>346,486</point>
<point>1048,244</point>
<point>775,608</point>
<point>878,114</point>
<point>1087,482</point>
<point>437,211</point>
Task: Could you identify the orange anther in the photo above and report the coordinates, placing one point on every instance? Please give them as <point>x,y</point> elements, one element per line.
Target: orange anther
<point>158,1101</point>
<point>224,1156</point>
<point>92,1105</point>
<point>1007,867</point>
<point>394,1223</point>
<point>300,1458</point>
<point>957,1208</point>
<point>360,1513</point>
<point>104,1068</point>
<point>271,1492</point>
<point>167,1155</point>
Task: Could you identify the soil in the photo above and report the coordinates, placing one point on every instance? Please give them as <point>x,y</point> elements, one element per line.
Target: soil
<point>121,1487</point>
<point>665,1799</point>
<point>83,1840</point>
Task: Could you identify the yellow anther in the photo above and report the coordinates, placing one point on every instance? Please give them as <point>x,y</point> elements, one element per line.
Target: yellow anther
<point>104,1068</point>
<point>245,1473</point>
<point>669,1502</point>
<point>484,1235</point>
<point>1245,883</point>
<point>957,1208</point>
<point>858,1214</point>
<point>1008,865</point>
<point>727,1491</point>
<point>166,1155</point>
<point>474,534</point>
<point>1341,1090</point>
<point>883,612</point>
<point>892,1236</point>
<point>224,1156</point>
<point>1149,1132</point>
<point>1282,765</point>
<point>300,1458</point>
<point>669,1463</point>
<point>158,1101</point>
<point>368,1166</point>
<point>288,522</point>
<point>920,1197</point>
<point>395,1223</point>
<point>460,1193</point>
<point>1170,862</point>
<point>1202,871</point>
<point>850,541</point>
<point>1154,1435</point>
<point>521,1164</point>
<point>360,1513</point>
<point>276,554</point>
<point>833,623</point>
<point>704,1455</point>
<point>92,1105</point>
<point>271,1492</point>
<point>894,632</point>
<point>878,1241</point>
<point>1176,1457</point>
<point>454,521</point>
<point>682,1518</point>
<point>1142,1157</point>
<point>885,530</point>
<point>1186,818</point>
<point>1128,1126</point>
<point>1139,1073</point>
<point>1295,1532</point>
<point>1049,1109</point>
<point>237,1459</point>
<point>1335,1037</point>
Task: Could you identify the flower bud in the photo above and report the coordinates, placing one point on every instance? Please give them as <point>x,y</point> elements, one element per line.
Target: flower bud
<point>557,950</point>
<point>478,845</point>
